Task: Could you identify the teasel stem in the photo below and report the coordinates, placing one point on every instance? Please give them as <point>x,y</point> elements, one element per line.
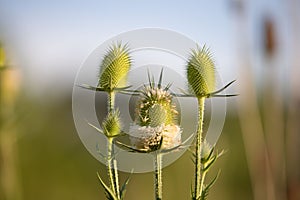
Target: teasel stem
<point>116,178</point>
<point>158,175</point>
<point>111,101</point>
<point>199,178</point>
<point>112,162</point>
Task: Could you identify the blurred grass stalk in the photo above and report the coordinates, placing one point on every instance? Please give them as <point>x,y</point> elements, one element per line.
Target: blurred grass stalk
<point>250,119</point>
<point>9,86</point>
<point>271,141</point>
<point>293,126</point>
<point>273,110</point>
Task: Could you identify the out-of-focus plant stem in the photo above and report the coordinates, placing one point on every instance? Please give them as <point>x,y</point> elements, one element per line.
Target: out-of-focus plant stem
<point>293,115</point>
<point>250,119</point>
<point>9,80</point>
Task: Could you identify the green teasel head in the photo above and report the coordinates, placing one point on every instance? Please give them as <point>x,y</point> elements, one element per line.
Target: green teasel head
<point>112,125</point>
<point>155,107</point>
<point>114,67</point>
<point>201,72</point>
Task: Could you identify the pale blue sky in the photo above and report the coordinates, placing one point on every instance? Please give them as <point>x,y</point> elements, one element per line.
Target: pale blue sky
<point>50,39</point>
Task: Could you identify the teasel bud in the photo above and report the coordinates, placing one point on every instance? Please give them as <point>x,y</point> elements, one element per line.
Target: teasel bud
<point>201,72</point>
<point>111,125</point>
<point>114,67</point>
<point>156,121</point>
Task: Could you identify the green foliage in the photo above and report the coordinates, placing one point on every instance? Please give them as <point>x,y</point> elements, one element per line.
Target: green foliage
<point>206,189</point>
<point>114,67</point>
<point>201,72</point>
<point>123,188</point>
<point>208,158</point>
<point>109,193</point>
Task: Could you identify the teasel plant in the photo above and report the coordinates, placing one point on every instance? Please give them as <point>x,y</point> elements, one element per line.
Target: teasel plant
<point>156,129</point>
<point>201,76</point>
<point>112,77</point>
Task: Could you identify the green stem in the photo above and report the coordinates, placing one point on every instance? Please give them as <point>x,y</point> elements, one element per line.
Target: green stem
<point>198,167</point>
<point>158,176</point>
<point>111,101</point>
<point>116,177</point>
<point>110,164</point>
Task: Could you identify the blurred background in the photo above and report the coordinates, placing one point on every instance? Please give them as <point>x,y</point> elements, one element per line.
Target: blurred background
<point>43,44</point>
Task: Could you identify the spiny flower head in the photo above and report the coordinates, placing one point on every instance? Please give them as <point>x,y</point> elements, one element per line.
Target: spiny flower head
<point>114,67</point>
<point>155,126</point>
<point>155,107</point>
<point>201,72</point>
<point>111,125</point>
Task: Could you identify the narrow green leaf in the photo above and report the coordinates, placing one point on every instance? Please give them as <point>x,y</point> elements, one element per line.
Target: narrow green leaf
<point>123,188</point>
<point>109,194</point>
<point>208,187</point>
<point>211,162</point>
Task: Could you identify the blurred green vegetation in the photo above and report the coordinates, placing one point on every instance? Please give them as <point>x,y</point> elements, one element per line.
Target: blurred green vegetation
<point>54,164</point>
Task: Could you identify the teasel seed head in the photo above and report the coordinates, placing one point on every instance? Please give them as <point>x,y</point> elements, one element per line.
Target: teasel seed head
<point>201,72</point>
<point>114,67</point>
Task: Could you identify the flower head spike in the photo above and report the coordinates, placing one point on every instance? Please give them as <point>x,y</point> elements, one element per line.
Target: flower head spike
<point>114,67</point>
<point>156,119</point>
<point>201,72</point>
